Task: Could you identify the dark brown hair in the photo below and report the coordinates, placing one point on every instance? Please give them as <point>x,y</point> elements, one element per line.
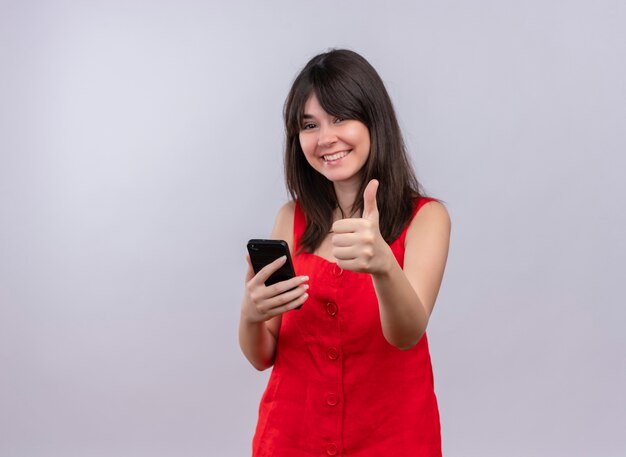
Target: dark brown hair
<point>347,86</point>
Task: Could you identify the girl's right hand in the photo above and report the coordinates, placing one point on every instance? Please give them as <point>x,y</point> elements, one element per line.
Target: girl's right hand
<point>262,303</point>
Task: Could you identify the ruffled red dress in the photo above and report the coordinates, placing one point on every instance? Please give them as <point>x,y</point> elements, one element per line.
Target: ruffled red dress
<point>338,388</point>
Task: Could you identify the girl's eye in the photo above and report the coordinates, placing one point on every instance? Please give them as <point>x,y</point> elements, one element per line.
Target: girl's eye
<point>308,126</point>
<point>338,120</point>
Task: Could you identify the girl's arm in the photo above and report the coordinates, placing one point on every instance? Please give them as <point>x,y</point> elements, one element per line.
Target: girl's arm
<point>406,297</point>
<point>262,307</point>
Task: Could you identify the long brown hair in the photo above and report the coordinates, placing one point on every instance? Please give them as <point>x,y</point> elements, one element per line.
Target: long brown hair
<point>347,86</point>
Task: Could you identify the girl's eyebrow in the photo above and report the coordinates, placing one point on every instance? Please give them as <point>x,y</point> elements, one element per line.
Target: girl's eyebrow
<point>307,116</point>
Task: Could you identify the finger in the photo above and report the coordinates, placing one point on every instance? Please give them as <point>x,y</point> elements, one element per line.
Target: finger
<point>345,226</point>
<point>250,272</point>
<point>348,253</point>
<point>285,298</point>
<point>283,286</point>
<point>288,306</point>
<point>343,240</point>
<point>265,272</point>
<point>370,207</point>
<point>357,265</point>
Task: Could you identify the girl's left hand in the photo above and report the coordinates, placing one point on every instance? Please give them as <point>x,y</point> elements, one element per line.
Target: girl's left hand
<point>357,243</point>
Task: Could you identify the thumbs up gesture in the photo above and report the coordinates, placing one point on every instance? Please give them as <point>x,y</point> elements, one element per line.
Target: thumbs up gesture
<point>357,242</point>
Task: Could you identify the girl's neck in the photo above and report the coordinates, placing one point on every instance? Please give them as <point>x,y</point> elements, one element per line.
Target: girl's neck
<point>346,193</point>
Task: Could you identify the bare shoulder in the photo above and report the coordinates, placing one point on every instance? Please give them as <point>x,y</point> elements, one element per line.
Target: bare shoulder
<point>287,211</point>
<point>426,251</point>
<point>283,227</point>
<point>432,217</point>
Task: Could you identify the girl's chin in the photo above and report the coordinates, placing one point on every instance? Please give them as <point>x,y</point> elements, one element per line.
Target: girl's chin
<point>343,178</point>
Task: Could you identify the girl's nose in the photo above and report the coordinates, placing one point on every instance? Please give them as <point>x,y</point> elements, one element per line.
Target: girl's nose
<point>327,136</point>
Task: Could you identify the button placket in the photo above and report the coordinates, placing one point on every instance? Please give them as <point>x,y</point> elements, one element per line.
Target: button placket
<point>329,399</point>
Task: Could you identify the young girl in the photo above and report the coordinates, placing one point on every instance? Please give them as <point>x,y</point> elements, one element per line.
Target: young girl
<point>352,373</point>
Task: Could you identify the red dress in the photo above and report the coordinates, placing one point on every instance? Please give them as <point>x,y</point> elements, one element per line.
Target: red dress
<point>337,386</point>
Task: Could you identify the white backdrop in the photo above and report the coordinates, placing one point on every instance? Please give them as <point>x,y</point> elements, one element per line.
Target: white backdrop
<point>141,146</point>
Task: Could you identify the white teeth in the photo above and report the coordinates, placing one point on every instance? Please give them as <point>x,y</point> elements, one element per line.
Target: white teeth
<point>335,156</point>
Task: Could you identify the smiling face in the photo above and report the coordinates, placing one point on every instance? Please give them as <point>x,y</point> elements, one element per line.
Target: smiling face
<point>336,148</point>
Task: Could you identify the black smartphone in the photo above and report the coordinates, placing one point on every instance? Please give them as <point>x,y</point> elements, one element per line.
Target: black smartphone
<point>263,252</point>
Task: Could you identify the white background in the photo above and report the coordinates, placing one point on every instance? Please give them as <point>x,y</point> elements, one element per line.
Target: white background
<point>141,147</point>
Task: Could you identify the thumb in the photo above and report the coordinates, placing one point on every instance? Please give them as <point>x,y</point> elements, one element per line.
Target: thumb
<point>250,272</point>
<point>370,208</point>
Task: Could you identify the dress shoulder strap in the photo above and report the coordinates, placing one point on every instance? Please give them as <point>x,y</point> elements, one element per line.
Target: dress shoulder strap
<point>299,224</point>
<point>418,204</point>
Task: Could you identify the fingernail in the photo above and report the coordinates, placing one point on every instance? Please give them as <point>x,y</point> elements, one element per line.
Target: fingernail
<point>306,286</point>
<point>304,278</point>
<point>281,258</point>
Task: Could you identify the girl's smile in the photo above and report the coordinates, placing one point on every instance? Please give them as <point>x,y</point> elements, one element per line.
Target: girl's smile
<point>334,158</point>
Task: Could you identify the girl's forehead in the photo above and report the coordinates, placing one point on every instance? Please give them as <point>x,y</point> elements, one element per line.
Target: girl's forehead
<point>313,107</point>
<point>312,103</point>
